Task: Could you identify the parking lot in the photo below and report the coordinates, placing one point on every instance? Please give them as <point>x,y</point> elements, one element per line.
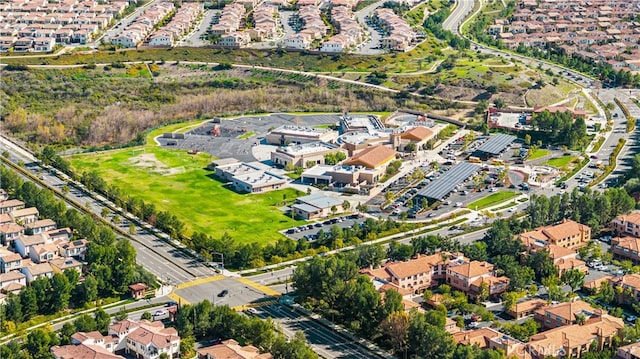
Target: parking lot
<point>231,142</point>
<point>310,231</point>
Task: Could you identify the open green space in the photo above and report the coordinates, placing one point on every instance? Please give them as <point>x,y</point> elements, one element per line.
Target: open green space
<point>560,162</point>
<point>539,153</point>
<point>492,200</point>
<point>178,182</point>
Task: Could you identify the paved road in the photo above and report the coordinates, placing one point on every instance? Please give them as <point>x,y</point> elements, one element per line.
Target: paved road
<point>372,45</point>
<point>324,341</point>
<point>457,16</point>
<point>155,254</point>
<point>194,37</point>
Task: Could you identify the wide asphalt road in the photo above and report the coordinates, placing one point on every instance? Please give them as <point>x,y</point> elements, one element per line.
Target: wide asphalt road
<point>457,16</point>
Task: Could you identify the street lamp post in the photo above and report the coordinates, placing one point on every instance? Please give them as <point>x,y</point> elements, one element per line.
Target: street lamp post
<point>221,260</point>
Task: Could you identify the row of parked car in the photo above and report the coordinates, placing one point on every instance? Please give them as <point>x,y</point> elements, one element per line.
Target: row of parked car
<point>328,222</point>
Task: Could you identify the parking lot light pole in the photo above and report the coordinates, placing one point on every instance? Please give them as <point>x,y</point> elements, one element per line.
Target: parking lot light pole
<point>221,260</point>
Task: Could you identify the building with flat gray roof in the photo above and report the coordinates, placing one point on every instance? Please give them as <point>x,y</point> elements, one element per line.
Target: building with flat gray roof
<point>258,181</point>
<point>287,134</point>
<point>304,154</point>
<point>441,187</point>
<point>316,205</point>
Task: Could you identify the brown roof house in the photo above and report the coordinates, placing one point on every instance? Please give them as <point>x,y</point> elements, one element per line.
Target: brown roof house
<point>138,290</point>
<point>145,339</point>
<point>231,349</point>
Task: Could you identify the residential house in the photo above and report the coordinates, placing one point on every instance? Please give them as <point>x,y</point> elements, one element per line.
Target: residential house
<point>36,271</point>
<point>9,232</point>
<point>628,224</point>
<point>43,253</point>
<point>59,265</point>
<point>94,338</point>
<point>556,315</point>
<point>161,38</point>
<point>631,351</point>
<point>151,339</point>
<point>45,44</point>
<point>474,276</point>
<point>576,339</point>
<point>626,248</point>
<point>60,234</point>
<point>24,244</point>
<point>231,349</point>
<point>25,216</point>
<point>11,205</point>
<point>235,39</point>
<point>40,226</point>
<point>82,351</point>
<point>75,249</point>
<point>10,262</point>
<point>569,234</point>
<point>10,280</point>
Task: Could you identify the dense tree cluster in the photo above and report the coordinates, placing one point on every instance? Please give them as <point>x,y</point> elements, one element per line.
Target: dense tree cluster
<point>333,286</point>
<point>559,128</point>
<point>593,208</point>
<point>110,265</point>
<point>204,320</point>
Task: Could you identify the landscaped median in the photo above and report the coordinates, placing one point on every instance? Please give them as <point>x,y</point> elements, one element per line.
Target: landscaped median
<point>612,163</point>
<point>492,200</point>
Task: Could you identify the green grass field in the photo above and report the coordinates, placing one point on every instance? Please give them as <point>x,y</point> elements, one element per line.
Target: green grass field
<point>178,182</point>
<point>492,200</point>
<point>539,153</point>
<point>560,162</point>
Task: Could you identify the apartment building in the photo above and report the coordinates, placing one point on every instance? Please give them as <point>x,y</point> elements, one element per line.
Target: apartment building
<point>626,248</point>
<point>561,314</point>
<point>416,274</point>
<point>574,340</point>
<point>401,35</point>
<point>627,224</point>
<point>568,234</point>
<point>470,277</point>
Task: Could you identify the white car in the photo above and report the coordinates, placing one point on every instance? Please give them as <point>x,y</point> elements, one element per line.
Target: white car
<point>252,311</point>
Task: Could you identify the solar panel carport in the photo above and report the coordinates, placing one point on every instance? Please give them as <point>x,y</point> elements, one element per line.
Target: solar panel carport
<point>442,186</point>
<point>494,145</point>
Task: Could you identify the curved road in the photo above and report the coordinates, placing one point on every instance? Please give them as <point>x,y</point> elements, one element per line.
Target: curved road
<point>459,13</point>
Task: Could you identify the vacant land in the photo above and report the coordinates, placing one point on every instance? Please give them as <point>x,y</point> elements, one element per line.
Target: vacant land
<point>492,200</point>
<point>560,162</point>
<point>178,182</point>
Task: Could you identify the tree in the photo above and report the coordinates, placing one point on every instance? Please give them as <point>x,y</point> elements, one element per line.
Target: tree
<point>428,341</point>
<point>122,314</point>
<point>61,293</point>
<point>102,320</point>
<point>346,205</point>
<point>574,278</point>
<point>542,264</point>
<point>104,212</point>
<point>146,315</point>
<point>521,331</point>
<point>499,103</point>
<point>39,341</point>
<point>527,139</point>
<point>606,293</point>
<point>509,300</point>
<point>395,331</point>
<point>392,302</point>
<point>399,251</point>
<point>132,228</point>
